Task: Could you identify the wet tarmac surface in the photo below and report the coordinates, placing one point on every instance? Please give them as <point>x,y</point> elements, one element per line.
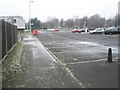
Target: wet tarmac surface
<point>86,56</point>
<point>66,60</point>
<point>40,69</point>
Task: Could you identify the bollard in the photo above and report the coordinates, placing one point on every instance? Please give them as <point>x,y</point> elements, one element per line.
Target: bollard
<point>109,55</point>
<point>21,38</point>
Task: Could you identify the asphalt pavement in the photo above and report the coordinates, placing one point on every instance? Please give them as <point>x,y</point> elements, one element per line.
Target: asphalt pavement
<point>85,56</point>
<point>50,60</point>
<point>40,70</point>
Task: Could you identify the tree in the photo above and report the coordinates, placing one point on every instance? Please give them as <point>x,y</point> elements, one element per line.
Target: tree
<point>52,22</point>
<point>117,20</point>
<point>61,23</point>
<point>94,21</point>
<point>36,24</point>
<point>110,22</point>
<point>69,23</point>
<point>76,20</point>
<point>82,21</point>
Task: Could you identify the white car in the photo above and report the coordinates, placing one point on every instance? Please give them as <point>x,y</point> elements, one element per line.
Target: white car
<point>50,29</point>
<point>97,31</point>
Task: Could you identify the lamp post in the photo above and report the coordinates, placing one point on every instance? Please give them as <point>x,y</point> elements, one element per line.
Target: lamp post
<point>30,15</point>
<point>105,17</point>
<point>85,26</point>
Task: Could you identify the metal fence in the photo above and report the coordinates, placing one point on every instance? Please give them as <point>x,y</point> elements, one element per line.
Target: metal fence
<point>9,37</point>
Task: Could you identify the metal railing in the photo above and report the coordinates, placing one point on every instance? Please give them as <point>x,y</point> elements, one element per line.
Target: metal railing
<point>8,37</point>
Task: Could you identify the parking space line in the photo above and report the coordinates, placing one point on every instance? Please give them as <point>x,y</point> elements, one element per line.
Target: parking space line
<point>89,61</point>
<point>69,72</point>
<point>66,69</point>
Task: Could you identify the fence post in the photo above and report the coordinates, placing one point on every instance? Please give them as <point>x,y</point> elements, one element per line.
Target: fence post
<point>16,34</point>
<point>8,37</point>
<point>0,40</point>
<point>3,38</point>
<point>12,35</point>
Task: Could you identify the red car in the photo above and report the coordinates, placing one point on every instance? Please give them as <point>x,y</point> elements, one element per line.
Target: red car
<point>56,29</point>
<point>76,30</point>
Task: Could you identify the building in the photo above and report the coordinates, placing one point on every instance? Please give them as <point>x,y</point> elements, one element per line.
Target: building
<point>16,20</point>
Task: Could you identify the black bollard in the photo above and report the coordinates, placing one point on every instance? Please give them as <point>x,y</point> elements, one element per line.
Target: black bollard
<point>21,38</point>
<point>109,55</point>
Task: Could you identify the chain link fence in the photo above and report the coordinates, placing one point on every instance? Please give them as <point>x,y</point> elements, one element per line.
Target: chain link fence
<point>8,37</point>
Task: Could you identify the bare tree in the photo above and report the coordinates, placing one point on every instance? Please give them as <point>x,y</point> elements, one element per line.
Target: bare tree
<point>61,23</point>
<point>69,23</point>
<point>52,22</point>
<point>94,21</point>
<point>117,20</point>
<point>81,21</point>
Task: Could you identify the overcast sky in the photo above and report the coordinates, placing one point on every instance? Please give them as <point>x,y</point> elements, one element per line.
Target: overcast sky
<point>42,9</point>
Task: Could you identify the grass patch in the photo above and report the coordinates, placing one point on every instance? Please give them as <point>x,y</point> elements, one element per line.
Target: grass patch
<point>14,56</point>
<point>11,65</point>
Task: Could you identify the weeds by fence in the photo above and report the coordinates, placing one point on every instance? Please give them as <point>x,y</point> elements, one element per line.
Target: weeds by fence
<point>9,36</point>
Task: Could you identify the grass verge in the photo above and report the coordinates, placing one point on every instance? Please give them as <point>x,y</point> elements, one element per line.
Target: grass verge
<point>11,65</point>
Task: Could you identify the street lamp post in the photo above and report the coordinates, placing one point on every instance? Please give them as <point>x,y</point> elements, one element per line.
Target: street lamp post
<point>85,26</point>
<point>30,15</point>
<point>105,16</point>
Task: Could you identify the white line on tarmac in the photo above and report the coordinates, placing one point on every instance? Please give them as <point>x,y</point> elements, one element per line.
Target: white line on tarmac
<point>69,71</point>
<point>89,61</point>
<point>65,68</point>
<point>41,32</point>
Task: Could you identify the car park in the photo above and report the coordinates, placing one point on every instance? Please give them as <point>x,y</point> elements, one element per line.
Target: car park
<point>111,31</point>
<point>76,30</point>
<point>97,31</point>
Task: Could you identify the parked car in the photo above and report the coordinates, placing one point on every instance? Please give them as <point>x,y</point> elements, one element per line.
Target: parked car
<point>111,31</point>
<point>76,30</point>
<point>56,29</point>
<point>53,29</point>
<point>83,30</point>
<point>50,29</point>
<point>97,31</point>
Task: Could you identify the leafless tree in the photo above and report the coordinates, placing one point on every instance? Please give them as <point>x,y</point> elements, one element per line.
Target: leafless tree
<point>82,20</point>
<point>69,23</point>
<point>52,22</point>
<point>94,21</point>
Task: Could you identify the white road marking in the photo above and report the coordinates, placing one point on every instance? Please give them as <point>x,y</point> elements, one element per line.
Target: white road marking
<point>89,61</point>
<point>67,69</point>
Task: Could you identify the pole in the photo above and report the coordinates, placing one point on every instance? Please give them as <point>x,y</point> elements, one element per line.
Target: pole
<point>85,26</point>
<point>105,18</point>
<point>30,16</point>
<point>1,38</point>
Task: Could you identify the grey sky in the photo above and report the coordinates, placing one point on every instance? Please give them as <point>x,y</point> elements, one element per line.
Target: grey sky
<point>42,9</point>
